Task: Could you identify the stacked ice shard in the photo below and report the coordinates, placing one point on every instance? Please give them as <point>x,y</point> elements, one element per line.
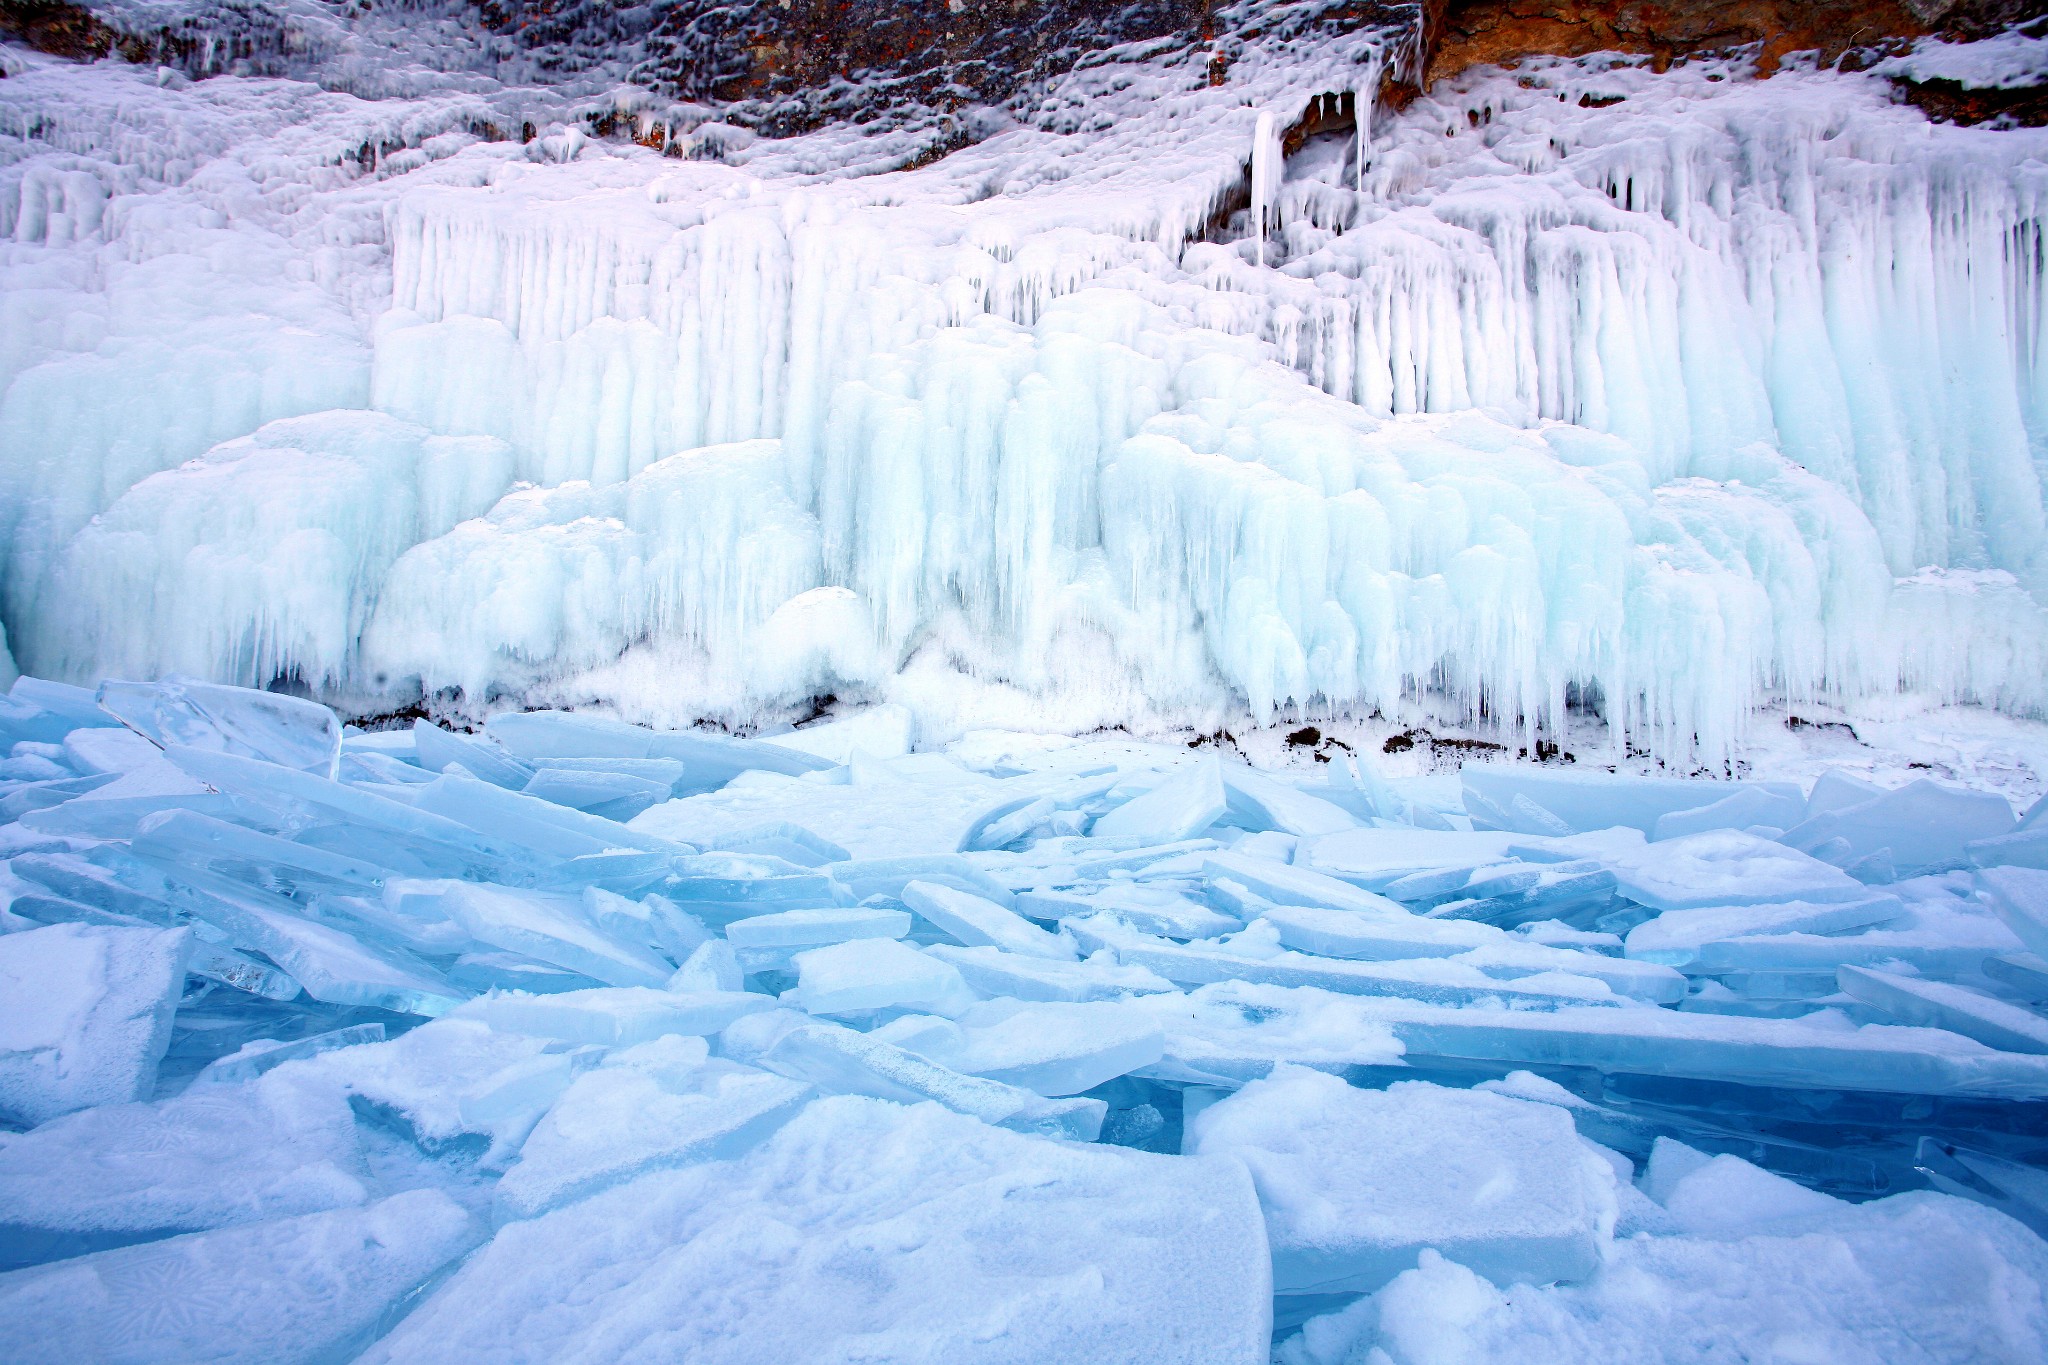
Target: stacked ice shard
<point>1008,1052</point>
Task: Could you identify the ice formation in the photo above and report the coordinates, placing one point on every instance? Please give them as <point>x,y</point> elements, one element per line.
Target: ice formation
<point>393,379</point>
<point>1659,394</point>
<point>381,1046</point>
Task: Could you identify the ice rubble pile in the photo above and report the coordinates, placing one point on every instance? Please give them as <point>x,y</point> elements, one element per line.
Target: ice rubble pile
<point>570,1037</point>
<point>1665,393</point>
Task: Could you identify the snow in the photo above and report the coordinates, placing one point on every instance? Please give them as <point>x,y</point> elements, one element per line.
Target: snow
<point>1355,1183</point>
<point>865,1228</point>
<point>88,1015</point>
<point>292,1289</point>
<point>1758,1267</point>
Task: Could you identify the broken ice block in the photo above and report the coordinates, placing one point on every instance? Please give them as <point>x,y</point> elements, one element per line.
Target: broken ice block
<point>552,928</point>
<point>873,974</point>
<point>966,1244</point>
<point>331,964</point>
<point>1186,803</point>
<point>1284,884</point>
<point>1259,802</point>
<point>1743,809</point>
<point>1940,1004</point>
<point>865,877</point>
<point>1355,1183</point>
<point>270,726</point>
<point>1727,867</point>
<point>214,1156</point>
<point>976,921</point>
<point>845,1062</point>
<point>994,972</point>
<point>306,1288</point>
<point>1923,826</point>
<point>1677,937</point>
<point>713,966</point>
<point>610,796</point>
<point>301,798</point>
<point>1441,980</point>
<point>1051,1049</point>
<point>284,866</point>
<point>1148,909</point>
<point>1375,858</point>
<point>647,1109</point>
<point>614,1016</point>
<point>437,748</point>
<point>86,1016</point>
<point>528,820</point>
<point>711,760</point>
<point>1505,956</point>
<point>2019,896</point>
<point>1591,801</point>
<point>791,929</point>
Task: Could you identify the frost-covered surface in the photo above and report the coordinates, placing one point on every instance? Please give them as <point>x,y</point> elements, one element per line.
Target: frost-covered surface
<point>1663,394</point>
<point>573,1040</point>
<point>2004,61</point>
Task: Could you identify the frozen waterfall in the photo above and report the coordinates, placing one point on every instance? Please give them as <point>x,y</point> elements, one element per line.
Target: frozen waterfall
<point>1666,393</point>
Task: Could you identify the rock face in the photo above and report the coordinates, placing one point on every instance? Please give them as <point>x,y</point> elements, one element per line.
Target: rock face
<point>782,66</point>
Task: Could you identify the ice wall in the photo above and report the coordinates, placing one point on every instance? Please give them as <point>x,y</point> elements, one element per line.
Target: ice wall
<point>1676,390</point>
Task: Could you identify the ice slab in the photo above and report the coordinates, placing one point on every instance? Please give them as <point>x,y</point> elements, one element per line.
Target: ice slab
<point>218,1155</point>
<point>1356,1183</point>
<point>1051,1049</point>
<point>1920,1276</point>
<point>1284,884</point>
<point>1375,858</point>
<point>863,1229</point>
<point>1727,867</point>
<point>87,1015</point>
<point>453,1080</point>
<point>531,821</point>
<point>649,1108</point>
<point>1744,809</point>
<point>1259,802</point>
<point>2019,896</point>
<point>874,974</point>
<point>1923,826</point>
<point>842,1061</point>
<point>614,1016</point>
<point>1148,909</point>
<point>979,922</point>
<point>711,760</point>
<point>301,799</point>
<point>436,749</point>
<point>885,731</point>
<point>610,796</point>
<point>1940,1004</point>
<point>1444,981</point>
<point>1680,937</point>
<point>271,726</point>
<point>994,972</point>
<point>816,928</point>
<point>1184,804</point>
<point>1813,1053</point>
<point>332,965</point>
<point>1343,934</point>
<point>551,928</point>
<point>1592,801</point>
<point>307,1288</point>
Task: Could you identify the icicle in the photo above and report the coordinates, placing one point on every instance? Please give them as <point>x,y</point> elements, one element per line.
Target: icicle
<point>1268,165</point>
<point>1365,95</point>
